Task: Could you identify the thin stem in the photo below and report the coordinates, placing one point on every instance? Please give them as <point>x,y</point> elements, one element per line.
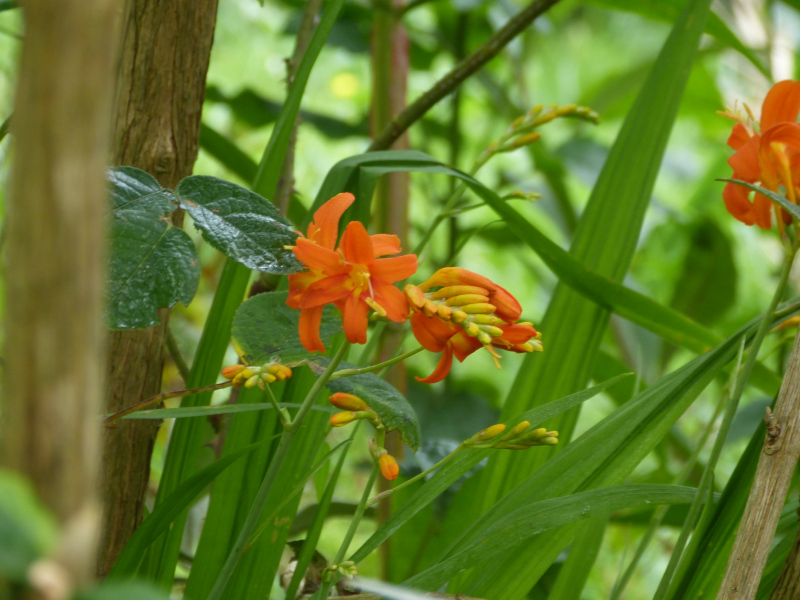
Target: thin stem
<point>460,72</point>
<point>283,414</point>
<point>290,430</point>
<point>377,367</point>
<point>161,397</point>
<point>414,479</point>
<point>730,412</point>
<point>175,353</point>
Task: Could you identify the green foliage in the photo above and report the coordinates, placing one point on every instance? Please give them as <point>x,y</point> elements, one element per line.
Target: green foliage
<point>152,264</point>
<point>265,329</point>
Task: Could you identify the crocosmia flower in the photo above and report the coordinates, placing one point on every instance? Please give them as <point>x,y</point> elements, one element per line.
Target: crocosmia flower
<point>352,276</point>
<point>457,312</point>
<point>768,154</point>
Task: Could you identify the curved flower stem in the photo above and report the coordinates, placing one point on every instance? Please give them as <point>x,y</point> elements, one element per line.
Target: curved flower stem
<point>377,367</point>
<point>289,431</point>
<point>414,479</point>
<point>730,411</point>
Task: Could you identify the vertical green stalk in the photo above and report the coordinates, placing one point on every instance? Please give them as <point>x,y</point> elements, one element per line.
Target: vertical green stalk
<point>730,412</point>
<point>290,430</point>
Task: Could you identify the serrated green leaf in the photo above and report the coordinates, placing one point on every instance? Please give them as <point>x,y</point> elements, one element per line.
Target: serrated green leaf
<point>239,223</point>
<point>521,525</point>
<point>152,264</point>
<point>265,329</point>
<point>382,397</point>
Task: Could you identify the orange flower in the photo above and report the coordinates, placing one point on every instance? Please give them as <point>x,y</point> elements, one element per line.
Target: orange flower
<point>467,312</point>
<point>350,276</point>
<point>388,466</point>
<point>770,158</point>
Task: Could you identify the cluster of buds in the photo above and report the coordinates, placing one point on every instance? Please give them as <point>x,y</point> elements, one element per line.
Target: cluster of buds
<point>249,376</point>
<point>465,312</point>
<point>354,409</point>
<point>520,437</point>
<point>346,569</point>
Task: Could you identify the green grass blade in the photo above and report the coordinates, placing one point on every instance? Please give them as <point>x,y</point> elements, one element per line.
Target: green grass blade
<point>227,153</point>
<point>573,326</point>
<point>522,525</point>
<point>466,460</point>
<point>159,520</point>
<point>580,560</point>
<point>208,411</point>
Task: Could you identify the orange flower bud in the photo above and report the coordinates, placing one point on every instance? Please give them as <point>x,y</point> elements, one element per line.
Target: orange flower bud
<point>388,466</point>
<point>342,418</point>
<point>347,402</point>
<point>232,371</point>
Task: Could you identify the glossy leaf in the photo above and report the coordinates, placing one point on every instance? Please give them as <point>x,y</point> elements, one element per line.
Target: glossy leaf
<point>152,264</point>
<point>265,329</point>
<point>239,223</point>
<point>382,397</point>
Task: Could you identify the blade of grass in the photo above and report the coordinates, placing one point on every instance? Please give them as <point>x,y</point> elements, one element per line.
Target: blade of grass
<point>580,560</point>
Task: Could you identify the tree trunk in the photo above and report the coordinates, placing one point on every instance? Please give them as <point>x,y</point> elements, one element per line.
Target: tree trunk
<point>166,46</point>
<point>788,585</point>
<point>55,272</point>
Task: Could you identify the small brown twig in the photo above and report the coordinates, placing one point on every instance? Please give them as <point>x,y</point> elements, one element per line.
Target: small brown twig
<point>109,420</point>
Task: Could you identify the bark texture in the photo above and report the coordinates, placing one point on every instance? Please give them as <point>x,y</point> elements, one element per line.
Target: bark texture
<point>768,494</point>
<point>788,585</point>
<point>166,45</point>
<point>56,264</point>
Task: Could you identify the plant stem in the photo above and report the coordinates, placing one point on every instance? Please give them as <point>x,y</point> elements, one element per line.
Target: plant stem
<point>290,430</point>
<point>730,412</point>
<point>283,414</point>
<point>377,367</point>
<point>460,72</point>
<point>414,479</point>
<point>175,353</point>
<point>164,396</point>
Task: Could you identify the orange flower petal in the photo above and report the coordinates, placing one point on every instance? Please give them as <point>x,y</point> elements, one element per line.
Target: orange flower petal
<point>310,320</point>
<point>463,345</point>
<point>384,244</point>
<point>745,161</point>
<point>392,300</point>
<point>762,208</point>
<point>354,318</point>
<point>431,332</point>
<point>325,291</point>
<point>356,244</point>
<point>507,307</point>
<point>781,104</point>
<point>326,220</point>
<point>319,258</point>
<point>442,368</point>
<point>739,136</point>
<point>394,269</point>
<point>299,283</point>
<point>517,334</point>
<point>738,204</point>
<point>457,276</point>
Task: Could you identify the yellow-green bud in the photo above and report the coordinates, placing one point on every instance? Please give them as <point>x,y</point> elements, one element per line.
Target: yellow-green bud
<point>465,299</point>
<point>484,338</point>
<point>342,418</point>
<point>458,290</point>
<point>458,316</point>
<point>490,432</point>
<point>471,329</point>
<point>479,308</point>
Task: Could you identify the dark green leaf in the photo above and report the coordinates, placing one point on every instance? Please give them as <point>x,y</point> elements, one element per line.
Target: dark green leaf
<point>239,223</point>
<point>392,407</point>
<point>264,328</point>
<point>152,264</point>
<point>117,590</point>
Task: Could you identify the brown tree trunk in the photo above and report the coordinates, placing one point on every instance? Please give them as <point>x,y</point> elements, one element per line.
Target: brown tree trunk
<point>166,46</point>
<point>788,585</point>
<point>55,272</point>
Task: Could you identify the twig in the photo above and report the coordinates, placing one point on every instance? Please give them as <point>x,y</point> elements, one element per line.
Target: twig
<point>462,71</point>
<point>767,495</point>
<point>161,397</point>
<point>177,357</point>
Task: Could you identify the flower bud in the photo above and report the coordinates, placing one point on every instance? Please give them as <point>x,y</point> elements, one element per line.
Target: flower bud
<point>478,308</point>
<point>517,430</point>
<point>484,338</point>
<point>465,299</point>
<point>444,312</point>
<point>252,381</point>
<point>347,402</point>
<point>389,467</point>
<point>490,432</point>
<point>458,316</point>
<point>451,291</point>
<point>415,296</point>
<point>232,371</point>
<point>342,418</point>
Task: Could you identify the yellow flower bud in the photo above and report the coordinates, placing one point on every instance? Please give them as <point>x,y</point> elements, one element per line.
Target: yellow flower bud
<point>458,316</point>
<point>388,466</point>
<point>518,429</point>
<point>472,329</point>
<point>484,338</point>
<point>444,312</point>
<point>342,418</point>
<point>267,378</point>
<point>252,381</point>
<point>481,307</point>
<point>482,319</point>
<point>490,432</point>
<point>347,401</point>
<point>232,371</point>
<point>458,290</point>
<point>492,330</point>
<point>416,297</point>
<point>465,299</point>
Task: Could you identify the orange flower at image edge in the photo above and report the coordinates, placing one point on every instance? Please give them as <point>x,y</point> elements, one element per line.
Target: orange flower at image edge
<point>351,276</point>
<point>467,312</point>
<point>770,158</point>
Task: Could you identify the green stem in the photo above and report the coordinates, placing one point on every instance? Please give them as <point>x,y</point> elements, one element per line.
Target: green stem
<point>283,414</point>
<point>175,353</point>
<point>290,430</point>
<point>414,479</point>
<point>377,367</point>
<point>360,509</point>
<point>730,412</point>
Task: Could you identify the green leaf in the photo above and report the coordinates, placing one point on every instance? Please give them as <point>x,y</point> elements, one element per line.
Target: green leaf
<point>164,513</point>
<point>227,153</point>
<point>207,411</point>
<point>152,264</point>
<point>265,329</point>
<point>466,460</point>
<point>580,560</point>
<point>521,525</point>
<point>787,205</point>
<point>8,4</point>
<point>27,530</point>
<point>116,590</point>
<point>382,397</point>
<point>239,223</point>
